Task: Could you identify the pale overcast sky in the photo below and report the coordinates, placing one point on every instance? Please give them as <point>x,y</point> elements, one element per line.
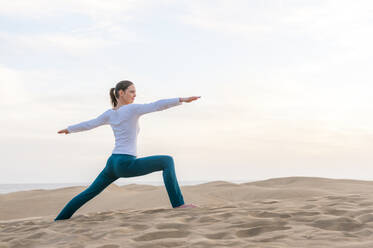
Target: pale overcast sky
<point>286,86</point>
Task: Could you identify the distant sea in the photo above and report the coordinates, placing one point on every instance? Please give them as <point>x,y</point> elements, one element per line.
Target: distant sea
<point>8,188</point>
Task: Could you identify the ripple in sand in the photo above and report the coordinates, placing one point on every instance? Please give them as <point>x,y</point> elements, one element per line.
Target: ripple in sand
<point>308,206</point>
<point>338,224</point>
<point>223,207</point>
<point>224,215</point>
<point>137,227</point>
<point>305,213</point>
<point>350,235</point>
<point>95,236</point>
<point>120,232</point>
<point>7,239</point>
<point>21,229</point>
<point>364,233</point>
<point>259,223</point>
<point>108,246</point>
<point>172,226</point>
<point>207,219</point>
<point>268,202</point>
<point>265,214</point>
<point>312,199</point>
<point>81,230</point>
<point>365,218</point>
<point>219,235</point>
<point>365,203</point>
<point>152,211</point>
<point>259,230</point>
<point>348,198</point>
<point>271,239</point>
<point>163,244</point>
<point>334,211</point>
<point>161,235</point>
<point>36,235</point>
<point>76,245</point>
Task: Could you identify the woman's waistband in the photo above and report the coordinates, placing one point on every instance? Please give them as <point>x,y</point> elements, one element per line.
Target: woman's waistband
<point>122,154</point>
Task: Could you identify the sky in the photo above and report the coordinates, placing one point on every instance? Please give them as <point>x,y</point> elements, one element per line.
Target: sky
<point>286,86</point>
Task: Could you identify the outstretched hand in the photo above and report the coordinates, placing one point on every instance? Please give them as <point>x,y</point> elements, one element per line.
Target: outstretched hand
<point>190,99</point>
<point>65,131</point>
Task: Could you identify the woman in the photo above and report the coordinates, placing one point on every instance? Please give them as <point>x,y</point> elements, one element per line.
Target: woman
<point>123,119</point>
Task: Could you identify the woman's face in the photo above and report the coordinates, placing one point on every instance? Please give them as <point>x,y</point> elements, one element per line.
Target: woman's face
<point>129,95</point>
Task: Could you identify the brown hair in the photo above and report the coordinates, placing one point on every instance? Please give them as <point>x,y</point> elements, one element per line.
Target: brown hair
<point>114,92</point>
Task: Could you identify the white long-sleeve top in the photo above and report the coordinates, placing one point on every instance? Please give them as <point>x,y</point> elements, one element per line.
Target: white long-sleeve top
<point>124,122</point>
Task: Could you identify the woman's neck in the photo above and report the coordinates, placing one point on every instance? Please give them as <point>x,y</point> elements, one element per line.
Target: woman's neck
<point>120,104</point>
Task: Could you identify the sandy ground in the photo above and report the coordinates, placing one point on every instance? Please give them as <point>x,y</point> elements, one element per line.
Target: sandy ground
<point>279,212</point>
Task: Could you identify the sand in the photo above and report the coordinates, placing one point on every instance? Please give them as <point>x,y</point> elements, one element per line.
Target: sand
<point>279,212</point>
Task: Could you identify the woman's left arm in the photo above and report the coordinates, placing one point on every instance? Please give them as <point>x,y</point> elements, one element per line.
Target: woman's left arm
<point>159,105</point>
<point>162,104</point>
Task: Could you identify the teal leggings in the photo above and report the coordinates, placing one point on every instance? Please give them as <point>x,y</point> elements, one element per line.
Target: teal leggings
<point>124,165</point>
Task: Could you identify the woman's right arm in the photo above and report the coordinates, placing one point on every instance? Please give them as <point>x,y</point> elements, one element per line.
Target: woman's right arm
<point>87,125</point>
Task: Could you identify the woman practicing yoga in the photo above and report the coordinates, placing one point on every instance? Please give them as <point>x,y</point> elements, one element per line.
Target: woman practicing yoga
<point>123,119</point>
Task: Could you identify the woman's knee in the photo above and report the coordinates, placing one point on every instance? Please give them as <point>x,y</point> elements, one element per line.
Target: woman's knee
<point>168,160</point>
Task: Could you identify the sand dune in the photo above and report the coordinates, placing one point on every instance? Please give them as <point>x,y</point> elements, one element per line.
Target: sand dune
<point>279,212</point>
